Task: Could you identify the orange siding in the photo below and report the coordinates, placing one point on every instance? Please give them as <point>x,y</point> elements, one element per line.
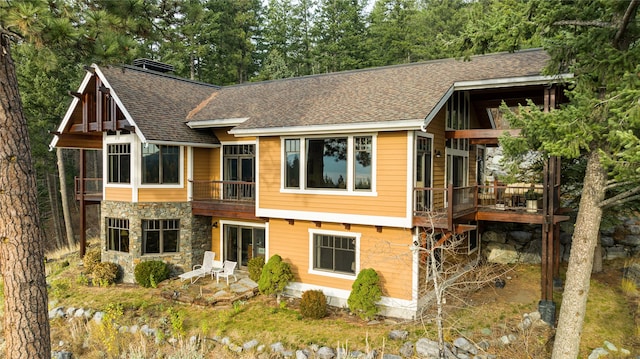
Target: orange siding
<point>391,182</point>
<point>201,163</point>
<point>386,252</point>
<point>117,194</point>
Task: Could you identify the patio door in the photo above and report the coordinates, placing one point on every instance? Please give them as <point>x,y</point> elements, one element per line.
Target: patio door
<point>423,173</point>
<point>241,243</point>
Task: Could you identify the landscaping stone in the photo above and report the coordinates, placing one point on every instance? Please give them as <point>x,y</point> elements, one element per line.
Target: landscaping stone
<point>501,253</point>
<point>61,355</point>
<point>234,348</point>
<point>598,353</point>
<point>494,237</point>
<point>466,345</point>
<point>277,347</point>
<point>406,350</point>
<point>69,312</point>
<point>610,347</point>
<point>521,237</point>
<point>301,355</point>
<point>391,356</point>
<point>615,252</point>
<point>398,335</point>
<point>607,241</point>
<point>57,312</point>
<point>427,348</point>
<point>250,344</point>
<point>98,317</point>
<point>325,353</point>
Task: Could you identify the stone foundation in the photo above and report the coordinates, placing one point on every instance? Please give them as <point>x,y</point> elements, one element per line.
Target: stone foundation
<point>195,235</point>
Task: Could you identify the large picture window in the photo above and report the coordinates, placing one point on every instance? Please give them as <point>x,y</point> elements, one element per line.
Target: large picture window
<point>335,163</point>
<point>160,164</point>
<point>119,163</point>
<point>160,236</point>
<point>118,234</point>
<point>334,253</point>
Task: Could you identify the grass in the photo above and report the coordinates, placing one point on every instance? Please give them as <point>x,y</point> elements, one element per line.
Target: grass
<point>609,317</point>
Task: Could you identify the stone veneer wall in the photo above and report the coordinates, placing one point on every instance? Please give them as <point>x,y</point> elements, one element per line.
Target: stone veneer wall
<point>195,235</point>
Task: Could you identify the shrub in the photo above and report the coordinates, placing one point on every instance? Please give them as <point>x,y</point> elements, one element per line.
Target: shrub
<point>365,292</point>
<point>275,276</point>
<point>60,288</point>
<point>313,304</point>
<point>150,273</point>
<point>255,265</point>
<point>90,259</point>
<point>104,274</point>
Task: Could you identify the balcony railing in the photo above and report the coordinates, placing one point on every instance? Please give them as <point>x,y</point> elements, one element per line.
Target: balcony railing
<point>92,187</point>
<point>224,191</point>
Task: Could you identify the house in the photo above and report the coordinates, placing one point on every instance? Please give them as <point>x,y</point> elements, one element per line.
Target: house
<point>334,172</point>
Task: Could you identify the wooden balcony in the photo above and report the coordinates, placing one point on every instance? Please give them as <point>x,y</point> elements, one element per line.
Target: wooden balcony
<point>231,199</point>
<point>442,207</point>
<point>91,188</point>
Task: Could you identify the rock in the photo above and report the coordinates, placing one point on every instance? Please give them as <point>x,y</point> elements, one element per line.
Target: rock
<point>521,237</point>
<point>504,340</point>
<point>225,341</point>
<point>70,311</point>
<point>373,354</point>
<point>301,355</point>
<point>632,273</point>
<point>607,241</point>
<point>633,228</point>
<point>427,348</point>
<point>615,252</point>
<point>406,350</point>
<point>494,237</point>
<point>598,353</point>
<point>466,345</point>
<point>484,345</point>
<point>325,353</point>
<point>78,313</point>
<point>61,355</point>
<point>398,335</point>
<point>277,347</point>
<point>98,317</point>
<point>234,348</point>
<point>608,346</point>
<point>501,253</point>
<point>531,252</point>
<point>57,312</point>
<point>250,344</point>
<point>391,356</point>
<point>631,240</point>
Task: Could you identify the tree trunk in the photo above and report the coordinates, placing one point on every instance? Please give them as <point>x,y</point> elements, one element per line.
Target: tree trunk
<point>65,199</point>
<point>585,237</point>
<point>55,210</point>
<point>26,324</point>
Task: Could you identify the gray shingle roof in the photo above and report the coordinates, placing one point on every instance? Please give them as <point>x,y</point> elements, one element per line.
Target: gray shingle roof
<point>159,103</point>
<point>403,92</point>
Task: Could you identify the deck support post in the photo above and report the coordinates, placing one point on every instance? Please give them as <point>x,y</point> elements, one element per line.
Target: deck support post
<point>550,240</point>
<point>83,204</point>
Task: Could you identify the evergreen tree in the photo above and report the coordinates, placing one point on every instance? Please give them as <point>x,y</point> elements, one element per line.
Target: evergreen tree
<point>391,32</point>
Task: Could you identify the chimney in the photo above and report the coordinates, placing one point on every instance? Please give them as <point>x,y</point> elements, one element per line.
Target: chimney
<point>152,65</point>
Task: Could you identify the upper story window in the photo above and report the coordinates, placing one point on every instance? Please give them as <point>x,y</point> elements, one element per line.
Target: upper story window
<point>119,163</point>
<point>160,236</point>
<point>341,163</point>
<point>459,118</point>
<point>160,164</point>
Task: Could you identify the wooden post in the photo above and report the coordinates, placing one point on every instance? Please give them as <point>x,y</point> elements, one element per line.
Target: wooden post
<point>83,206</point>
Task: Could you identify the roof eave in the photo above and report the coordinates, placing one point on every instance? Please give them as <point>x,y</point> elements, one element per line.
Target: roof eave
<point>330,129</point>
<point>217,123</point>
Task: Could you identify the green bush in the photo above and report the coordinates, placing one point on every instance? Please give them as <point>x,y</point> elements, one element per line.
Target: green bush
<point>313,304</point>
<point>104,274</point>
<point>275,276</point>
<point>150,273</point>
<point>90,259</point>
<point>365,292</point>
<point>255,265</point>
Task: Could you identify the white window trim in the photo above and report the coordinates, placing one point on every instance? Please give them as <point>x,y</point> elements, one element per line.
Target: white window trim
<point>181,181</point>
<point>350,187</point>
<point>354,235</point>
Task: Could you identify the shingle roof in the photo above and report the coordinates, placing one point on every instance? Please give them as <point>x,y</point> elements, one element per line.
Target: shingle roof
<point>159,103</point>
<point>403,92</point>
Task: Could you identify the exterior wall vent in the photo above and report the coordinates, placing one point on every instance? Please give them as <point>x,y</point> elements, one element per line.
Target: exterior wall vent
<point>153,65</point>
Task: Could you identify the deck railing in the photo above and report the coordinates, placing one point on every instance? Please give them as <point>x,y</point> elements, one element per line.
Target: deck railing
<point>233,191</point>
<point>92,186</point>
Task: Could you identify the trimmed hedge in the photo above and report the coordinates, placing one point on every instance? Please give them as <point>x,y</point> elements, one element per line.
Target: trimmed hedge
<point>313,304</point>
<point>365,293</point>
<point>275,276</point>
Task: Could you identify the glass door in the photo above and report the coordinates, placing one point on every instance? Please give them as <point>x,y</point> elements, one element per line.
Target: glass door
<point>423,173</point>
<point>243,243</point>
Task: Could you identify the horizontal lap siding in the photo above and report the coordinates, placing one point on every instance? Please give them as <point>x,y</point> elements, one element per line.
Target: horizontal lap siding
<point>391,183</point>
<point>202,163</point>
<point>437,128</point>
<point>117,194</point>
<point>387,252</point>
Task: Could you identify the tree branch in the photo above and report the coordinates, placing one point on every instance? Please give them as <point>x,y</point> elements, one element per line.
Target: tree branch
<point>613,183</point>
<point>10,33</point>
<point>594,23</point>
<point>621,198</point>
<point>631,9</point>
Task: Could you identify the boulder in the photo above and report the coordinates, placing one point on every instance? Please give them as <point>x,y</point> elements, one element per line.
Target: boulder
<point>501,253</point>
<point>607,241</point>
<point>615,252</point>
<point>497,237</point>
<point>531,252</point>
<point>406,350</point>
<point>325,353</point>
<point>398,335</point>
<point>521,237</point>
<point>631,240</point>
<point>465,345</point>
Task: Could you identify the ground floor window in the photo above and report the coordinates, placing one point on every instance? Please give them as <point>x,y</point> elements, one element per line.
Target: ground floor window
<point>334,253</point>
<point>118,234</point>
<point>160,236</point>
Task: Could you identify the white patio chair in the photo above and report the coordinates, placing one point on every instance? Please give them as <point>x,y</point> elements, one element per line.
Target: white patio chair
<point>201,270</point>
<point>227,270</point>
